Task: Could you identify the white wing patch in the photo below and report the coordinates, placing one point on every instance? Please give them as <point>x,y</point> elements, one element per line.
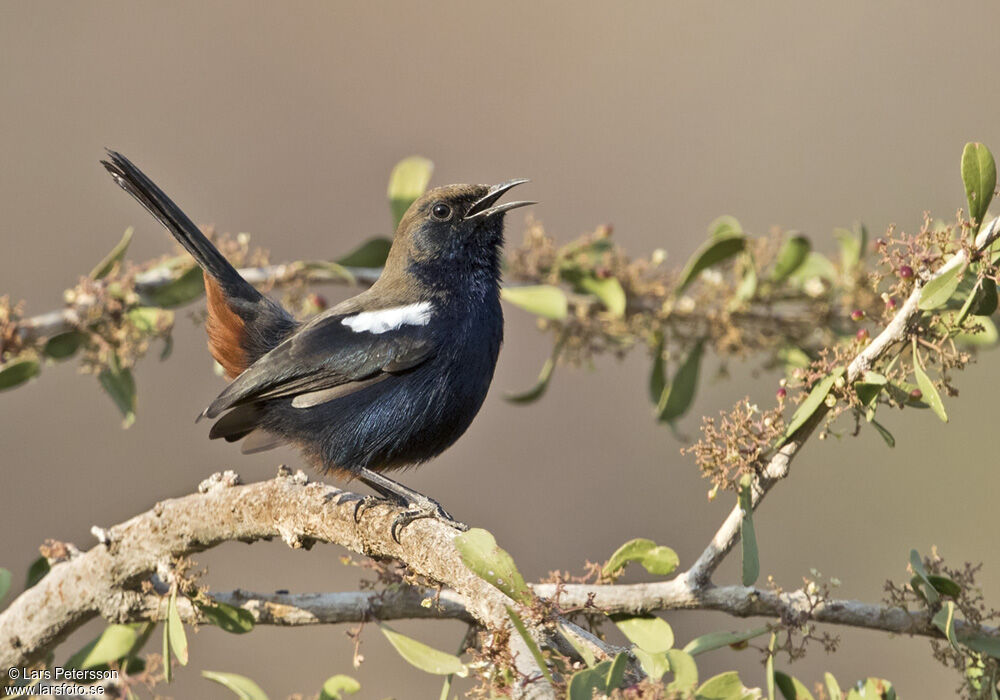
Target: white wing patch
<point>390,319</point>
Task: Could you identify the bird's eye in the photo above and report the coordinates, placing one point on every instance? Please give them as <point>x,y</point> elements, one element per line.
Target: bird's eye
<point>441,211</point>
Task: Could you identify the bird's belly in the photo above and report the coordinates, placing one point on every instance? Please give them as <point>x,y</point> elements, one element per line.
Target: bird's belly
<point>392,424</point>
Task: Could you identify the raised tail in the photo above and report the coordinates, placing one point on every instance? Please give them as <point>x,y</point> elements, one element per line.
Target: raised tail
<point>243,324</point>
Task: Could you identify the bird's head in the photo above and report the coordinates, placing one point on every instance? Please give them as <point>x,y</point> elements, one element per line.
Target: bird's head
<point>450,230</point>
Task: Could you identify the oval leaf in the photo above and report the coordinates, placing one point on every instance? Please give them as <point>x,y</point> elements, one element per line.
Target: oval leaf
<point>480,552</point>
<point>718,640</point>
<point>407,182</point>
<point>725,686</point>
<point>685,671</point>
<point>5,579</point>
<point>64,345</point>
<point>336,687</point>
<point>175,631</point>
<point>748,538</point>
<point>545,300</point>
<point>427,659</point>
<point>791,688</point>
<point>17,372</point>
<point>185,288</point>
<point>609,290</point>
<point>812,402</point>
<point>716,250</point>
<point>104,268</point>
<point>921,583</point>
<point>938,291</point>
<point>678,396</point>
<point>658,372</point>
<point>371,253</point>
<point>227,617</point>
<point>944,620</point>
<point>120,386</point>
<point>979,174</point>
<point>930,392</point>
<point>725,225</point>
<point>244,688</point>
<point>791,255</point>
<point>585,683</point>
<point>647,632</point>
<point>832,687</point>
<point>113,644</point>
<point>986,335</point>
<point>654,665</point>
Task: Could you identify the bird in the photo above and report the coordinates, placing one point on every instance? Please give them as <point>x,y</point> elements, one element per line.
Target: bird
<point>382,381</point>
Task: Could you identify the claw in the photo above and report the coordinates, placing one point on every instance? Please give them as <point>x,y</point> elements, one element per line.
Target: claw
<point>420,510</point>
<point>365,503</point>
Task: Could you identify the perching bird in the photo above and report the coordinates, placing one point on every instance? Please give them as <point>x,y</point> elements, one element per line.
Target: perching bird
<point>384,380</point>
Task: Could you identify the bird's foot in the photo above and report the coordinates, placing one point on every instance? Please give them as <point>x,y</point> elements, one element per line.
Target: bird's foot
<point>420,507</point>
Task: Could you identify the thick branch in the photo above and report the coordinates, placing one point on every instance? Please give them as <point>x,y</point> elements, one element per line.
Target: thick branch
<point>777,467</point>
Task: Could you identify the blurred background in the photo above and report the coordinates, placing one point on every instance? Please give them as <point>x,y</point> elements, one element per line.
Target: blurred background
<point>284,120</point>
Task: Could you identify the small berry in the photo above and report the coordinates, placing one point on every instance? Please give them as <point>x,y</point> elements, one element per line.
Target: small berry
<point>857,315</point>
<point>781,393</point>
<point>916,394</point>
<point>891,303</point>
<point>906,272</point>
<point>862,334</point>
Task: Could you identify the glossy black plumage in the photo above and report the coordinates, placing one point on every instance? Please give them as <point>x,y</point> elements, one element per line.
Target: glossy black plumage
<point>387,379</point>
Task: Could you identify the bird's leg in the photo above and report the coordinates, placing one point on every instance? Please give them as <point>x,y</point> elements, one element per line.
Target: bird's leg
<point>417,505</point>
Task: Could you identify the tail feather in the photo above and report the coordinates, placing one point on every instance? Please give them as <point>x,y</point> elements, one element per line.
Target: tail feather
<point>157,203</point>
<point>243,324</point>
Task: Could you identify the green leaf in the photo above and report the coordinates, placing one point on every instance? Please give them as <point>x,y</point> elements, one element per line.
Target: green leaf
<point>185,288</point>
<point>938,291</point>
<point>585,652</point>
<point>17,372</point>
<point>658,372</point>
<point>979,174</point>
<point>791,688</point>
<point>609,290</point>
<point>986,299</point>
<point>244,688</point>
<point>868,392</point>
<point>336,687</point>
<point>585,683</point>
<point>944,620</point>
<point>371,253</point>
<point>977,641</point>
<point>544,377</point>
<point>725,226</point>
<point>427,659</point>
<point>793,357</point>
<point>175,631</point>
<point>769,665</point>
<point>791,255</point>
<point>748,539</point>
<point>168,668</point>
<point>654,665</point>
<point>545,300</point>
<point>656,559</point>
<point>113,644</point>
<point>987,337</point>
<point>944,585</point>
<point>717,640</point>
<point>815,399</point>
<point>64,345</point>
<point>852,248</point>
<point>816,266</point>
<point>480,552</point>
<point>921,582</point>
<point>616,674</point>
<point>832,687</point>
<point>5,580</point>
<point>930,392</point>
<point>36,572</point>
<point>231,619</point>
<point>725,686</point>
<point>647,631</point>
<point>685,671</point>
<point>104,268</point>
<point>150,319</point>
<point>678,396</point>
<point>529,641</point>
<point>406,183</point>
<point>714,251</point>
<point>883,433</point>
<point>748,285</point>
<point>873,688</point>
<point>120,386</point>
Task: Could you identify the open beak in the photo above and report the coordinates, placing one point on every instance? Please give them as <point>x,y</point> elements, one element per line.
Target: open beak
<point>484,207</point>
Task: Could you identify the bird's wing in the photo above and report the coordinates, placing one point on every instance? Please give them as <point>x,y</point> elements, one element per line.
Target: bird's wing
<point>326,359</point>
